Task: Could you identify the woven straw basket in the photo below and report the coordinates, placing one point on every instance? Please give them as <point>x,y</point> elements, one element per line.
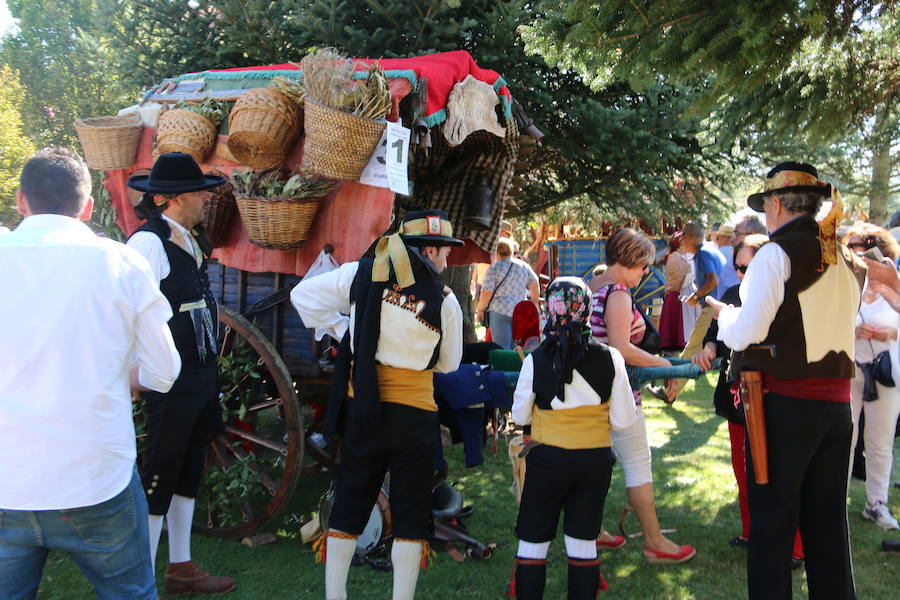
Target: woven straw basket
<point>185,131</point>
<point>338,145</point>
<point>262,127</point>
<point>218,211</point>
<point>277,223</point>
<point>109,143</point>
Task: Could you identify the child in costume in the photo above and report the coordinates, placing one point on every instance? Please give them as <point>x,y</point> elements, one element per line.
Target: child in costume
<point>571,392</point>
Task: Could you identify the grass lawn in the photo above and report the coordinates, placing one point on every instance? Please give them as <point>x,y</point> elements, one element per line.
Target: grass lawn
<point>696,494</point>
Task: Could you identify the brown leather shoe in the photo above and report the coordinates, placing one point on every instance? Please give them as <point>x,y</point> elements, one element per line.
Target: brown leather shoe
<point>187,578</point>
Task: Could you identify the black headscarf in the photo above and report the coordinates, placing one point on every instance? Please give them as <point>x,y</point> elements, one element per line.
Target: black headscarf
<point>566,338</point>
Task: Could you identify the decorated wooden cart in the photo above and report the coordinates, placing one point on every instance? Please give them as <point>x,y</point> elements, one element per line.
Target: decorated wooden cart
<point>269,361</point>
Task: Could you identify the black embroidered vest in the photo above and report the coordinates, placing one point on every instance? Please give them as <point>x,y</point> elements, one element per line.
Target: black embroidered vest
<point>186,283</point>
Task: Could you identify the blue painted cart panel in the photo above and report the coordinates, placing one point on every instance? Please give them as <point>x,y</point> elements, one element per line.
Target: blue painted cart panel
<point>577,258</point>
<point>238,290</point>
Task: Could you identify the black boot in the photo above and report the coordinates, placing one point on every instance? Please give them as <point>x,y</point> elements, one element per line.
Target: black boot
<point>584,578</point>
<point>527,580</point>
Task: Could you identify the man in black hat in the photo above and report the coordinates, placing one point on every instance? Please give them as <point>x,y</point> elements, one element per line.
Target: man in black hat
<point>180,422</point>
<point>403,325</point>
<point>800,297</point>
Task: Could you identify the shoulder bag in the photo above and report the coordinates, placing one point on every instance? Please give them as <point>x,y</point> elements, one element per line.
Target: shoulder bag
<point>486,320</point>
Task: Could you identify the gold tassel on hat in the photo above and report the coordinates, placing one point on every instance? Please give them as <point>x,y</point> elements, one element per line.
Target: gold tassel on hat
<point>828,229</point>
<point>391,251</point>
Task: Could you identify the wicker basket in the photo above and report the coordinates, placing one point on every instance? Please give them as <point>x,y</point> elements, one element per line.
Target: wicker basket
<point>109,143</point>
<point>185,131</point>
<point>277,223</point>
<point>338,145</point>
<point>262,127</point>
<point>218,212</point>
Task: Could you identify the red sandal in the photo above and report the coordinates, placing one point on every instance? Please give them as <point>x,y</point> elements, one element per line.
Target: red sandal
<point>655,557</point>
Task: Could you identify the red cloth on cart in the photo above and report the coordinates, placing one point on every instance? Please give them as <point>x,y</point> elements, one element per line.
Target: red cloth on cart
<point>350,219</point>
<point>443,70</point>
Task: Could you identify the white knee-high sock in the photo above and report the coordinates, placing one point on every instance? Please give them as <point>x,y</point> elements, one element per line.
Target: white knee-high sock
<point>536,551</point>
<point>338,554</point>
<point>406,555</point>
<point>180,518</point>
<point>582,549</point>
<point>156,523</point>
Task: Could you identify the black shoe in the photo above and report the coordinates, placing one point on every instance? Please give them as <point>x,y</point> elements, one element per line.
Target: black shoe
<point>796,563</point>
<point>890,545</point>
<point>739,542</point>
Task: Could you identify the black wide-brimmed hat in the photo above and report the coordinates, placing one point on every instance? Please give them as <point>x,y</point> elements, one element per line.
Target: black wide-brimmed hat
<point>789,177</point>
<point>174,173</point>
<point>428,228</point>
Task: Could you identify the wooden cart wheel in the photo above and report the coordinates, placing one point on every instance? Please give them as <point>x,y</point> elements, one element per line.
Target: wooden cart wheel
<point>253,467</point>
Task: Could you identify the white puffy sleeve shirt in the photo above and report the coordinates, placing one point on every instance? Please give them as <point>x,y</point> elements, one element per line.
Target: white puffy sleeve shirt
<point>405,342</point>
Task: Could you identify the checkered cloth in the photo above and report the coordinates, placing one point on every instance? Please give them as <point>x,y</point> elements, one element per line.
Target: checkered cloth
<point>497,160</point>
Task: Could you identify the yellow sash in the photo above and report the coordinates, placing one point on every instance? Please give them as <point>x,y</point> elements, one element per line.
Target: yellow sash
<point>407,386</point>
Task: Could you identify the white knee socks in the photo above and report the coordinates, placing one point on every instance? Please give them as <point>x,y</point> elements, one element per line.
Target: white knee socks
<point>179,520</point>
<point>338,554</point>
<point>406,555</point>
<point>535,551</point>
<point>581,549</point>
<point>156,523</point>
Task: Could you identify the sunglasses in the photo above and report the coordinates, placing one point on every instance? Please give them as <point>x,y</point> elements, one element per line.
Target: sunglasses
<point>864,244</point>
<point>741,269</point>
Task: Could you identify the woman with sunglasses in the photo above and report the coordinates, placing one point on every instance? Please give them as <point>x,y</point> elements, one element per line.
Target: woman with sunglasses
<point>876,332</point>
<point>615,321</point>
<point>723,397</point>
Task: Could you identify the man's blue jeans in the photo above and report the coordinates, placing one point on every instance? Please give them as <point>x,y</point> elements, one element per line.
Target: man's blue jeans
<point>108,541</point>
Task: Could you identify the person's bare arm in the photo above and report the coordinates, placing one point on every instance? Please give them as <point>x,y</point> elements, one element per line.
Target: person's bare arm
<point>883,272</point>
<point>534,294</point>
<point>712,281</point>
<point>618,318</point>
<point>483,302</point>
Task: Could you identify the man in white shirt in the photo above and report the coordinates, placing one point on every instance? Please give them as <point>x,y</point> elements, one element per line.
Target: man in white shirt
<point>403,325</point>
<point>83,323</point>
<point>181,421</point>
<point>795,326</point>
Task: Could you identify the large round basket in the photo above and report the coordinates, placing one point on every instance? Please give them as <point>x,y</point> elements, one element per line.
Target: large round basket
<point>262,127</point>
<point>277,223</point>
<point>338,145</point>
<point>109,143</point>
<point>218,211</point>
<point>185,131</point>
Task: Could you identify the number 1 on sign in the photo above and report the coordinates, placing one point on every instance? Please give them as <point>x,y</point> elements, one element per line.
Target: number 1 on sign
<point>397,138</point>
<point>399,146</point>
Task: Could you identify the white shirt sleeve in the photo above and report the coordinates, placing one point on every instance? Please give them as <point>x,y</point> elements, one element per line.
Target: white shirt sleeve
<point>150,247</point>
<point>450,353</point>
<point>762,293</point>
<point>154,352</point>
<point>622,409</point>
<point>323,301</point>
<point>523,397</point>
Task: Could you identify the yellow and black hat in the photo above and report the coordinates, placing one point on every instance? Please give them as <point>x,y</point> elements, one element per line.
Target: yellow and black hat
<point>790,177</point>
<point>428,228</point>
